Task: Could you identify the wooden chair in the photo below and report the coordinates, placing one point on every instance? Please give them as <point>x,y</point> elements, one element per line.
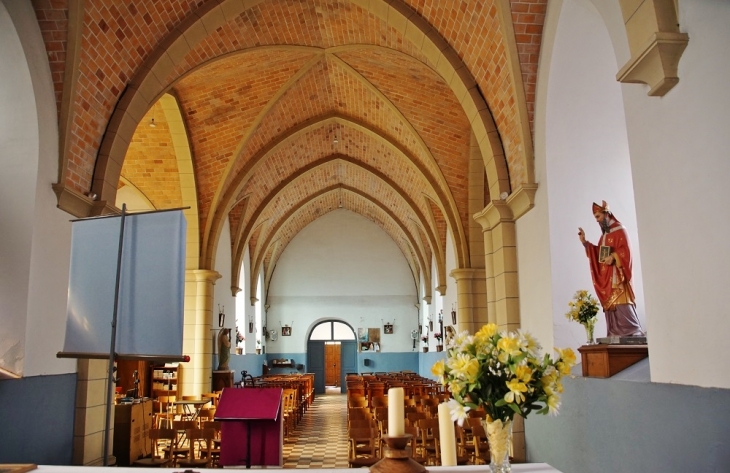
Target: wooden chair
<point>481,445</point>
<point>200,440</point>
<point>416,451</point>
<point>165,411</point>
<point>213,397</point>
<point>429,432</point>
<point>357,402</point>
<point>159,439</point>
<point>362,447</point>
<point>215,452</point>
<point>180,447</point>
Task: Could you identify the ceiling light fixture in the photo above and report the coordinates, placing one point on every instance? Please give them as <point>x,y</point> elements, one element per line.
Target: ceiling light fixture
<point>152,123</point>
<point>335,141</point>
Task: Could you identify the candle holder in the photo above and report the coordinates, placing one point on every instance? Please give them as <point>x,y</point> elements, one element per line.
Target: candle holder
<point>397,457</point>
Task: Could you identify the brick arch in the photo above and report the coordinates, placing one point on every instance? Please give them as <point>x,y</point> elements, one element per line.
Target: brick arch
<point>256,216</point>
<point>331,174</point>
<point>146,86</point>
<point>232,192</point>
<point>301,208</point>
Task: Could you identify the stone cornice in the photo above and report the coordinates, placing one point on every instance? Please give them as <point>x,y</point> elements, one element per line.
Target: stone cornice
<point>513,207</point>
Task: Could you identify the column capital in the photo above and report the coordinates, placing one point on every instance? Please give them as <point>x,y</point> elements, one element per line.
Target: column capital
<point>235,290</point>
<point>495,212</point>
<point>442,289</point>
<point>468,273</point>
<point>508,210</point>
<point>427,300</point>
<point>254,300</point>
<point>203,275</point>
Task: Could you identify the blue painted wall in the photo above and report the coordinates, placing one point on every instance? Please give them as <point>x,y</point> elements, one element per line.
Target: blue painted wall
<point>418,362</point>
<point>387,362</point>
<point>427,360</point>
<point>628,424</point>
<point>40,410</point>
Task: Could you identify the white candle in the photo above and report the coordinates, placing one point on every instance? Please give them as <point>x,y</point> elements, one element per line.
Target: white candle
<point>447,436</point>
<point>396,418</point>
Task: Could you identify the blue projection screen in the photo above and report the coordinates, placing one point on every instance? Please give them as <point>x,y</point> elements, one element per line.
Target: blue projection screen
<point>151,289</point>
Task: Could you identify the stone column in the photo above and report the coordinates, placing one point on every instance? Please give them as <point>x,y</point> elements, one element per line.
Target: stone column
<point>471,297</point>
<point>500,255</point>
<point>198,334</point>
<point>91,382</point>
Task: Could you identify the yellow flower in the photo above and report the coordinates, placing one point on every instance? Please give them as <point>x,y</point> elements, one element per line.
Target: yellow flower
<point>516,388</point>
<point>487,331</point>
<point>567,355</point>
<point>456,386</point>
<point>464,366</point>
<point>553,404</point>
<point>438,370</point>
<point>523,373</point>
<point>508,346</point>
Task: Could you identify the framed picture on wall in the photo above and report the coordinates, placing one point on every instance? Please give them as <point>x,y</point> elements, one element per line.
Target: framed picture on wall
<point>286,331</point>
<point>388,329</point>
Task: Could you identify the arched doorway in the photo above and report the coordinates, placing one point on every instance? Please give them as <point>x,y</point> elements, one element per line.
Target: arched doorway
<point>331,354</point>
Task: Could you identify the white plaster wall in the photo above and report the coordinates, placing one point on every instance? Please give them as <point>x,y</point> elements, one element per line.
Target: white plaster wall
<point>222,295</point>
<point>36,236</point>
<point>587,157</point>
<point>679,147</point>
<point>244,308</point>
<point>345,267</point>
<point>672,148</point>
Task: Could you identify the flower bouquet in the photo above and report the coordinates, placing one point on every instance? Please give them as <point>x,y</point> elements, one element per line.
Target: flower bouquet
<point>239,336</point>
<point>583,309</point>
<point>505,374</point>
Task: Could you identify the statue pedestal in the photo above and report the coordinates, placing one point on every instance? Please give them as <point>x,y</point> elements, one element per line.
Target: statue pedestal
<point>604,361</point>
<point>222,379</point>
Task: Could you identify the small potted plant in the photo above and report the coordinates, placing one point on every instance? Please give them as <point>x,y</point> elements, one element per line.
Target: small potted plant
<point>239,339</point>
<point>438,337</point>
<point>583,309</point>
<point>424,339</point>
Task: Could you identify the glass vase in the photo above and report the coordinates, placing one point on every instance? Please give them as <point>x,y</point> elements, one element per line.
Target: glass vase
<point>499,436</point>
<point>590,326</point>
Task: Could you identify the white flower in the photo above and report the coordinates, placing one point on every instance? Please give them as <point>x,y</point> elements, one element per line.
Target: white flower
<point>458,412</point>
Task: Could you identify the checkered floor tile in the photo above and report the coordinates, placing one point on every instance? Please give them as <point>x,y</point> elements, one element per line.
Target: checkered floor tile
<point>320,439</point>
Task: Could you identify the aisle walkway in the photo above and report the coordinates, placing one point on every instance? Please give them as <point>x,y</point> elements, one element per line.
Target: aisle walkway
<point>320,439</point>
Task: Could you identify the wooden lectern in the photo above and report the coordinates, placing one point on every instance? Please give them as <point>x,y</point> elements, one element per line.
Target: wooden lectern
<point>252,431</point>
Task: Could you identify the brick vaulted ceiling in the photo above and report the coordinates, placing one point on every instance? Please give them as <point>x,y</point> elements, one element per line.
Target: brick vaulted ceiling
<point>296,108</point>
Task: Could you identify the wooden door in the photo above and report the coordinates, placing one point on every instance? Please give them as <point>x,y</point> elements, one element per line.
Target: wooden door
<point>348,362</point>
<point>332,364</point>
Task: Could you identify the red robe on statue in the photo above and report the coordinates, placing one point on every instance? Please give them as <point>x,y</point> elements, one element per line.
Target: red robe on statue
<point>612,282</point>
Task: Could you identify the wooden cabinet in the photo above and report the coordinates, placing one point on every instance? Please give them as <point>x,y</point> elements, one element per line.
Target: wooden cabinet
<point>132,424</point>
<point>222,379</point>
<point>167,377</point>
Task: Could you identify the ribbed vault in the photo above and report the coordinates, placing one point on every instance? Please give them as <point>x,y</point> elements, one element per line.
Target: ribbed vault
<point>292,109</point>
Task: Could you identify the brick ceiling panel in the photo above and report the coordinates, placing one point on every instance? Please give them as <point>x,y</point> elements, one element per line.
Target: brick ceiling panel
<point>473,29</point>
<point>151,163</point>
<point>431,107</point>
<point>220,102</point>
<point>116,38</point>
<point>318,24</point>
<point>440,223</point>
<point>234,220</point>
<point>332,174</point>
<point>308,97</point>
<point>314,146</point>
<point>325,89</point>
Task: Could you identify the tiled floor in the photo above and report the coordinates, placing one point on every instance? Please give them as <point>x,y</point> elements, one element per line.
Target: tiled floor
<point>320,439</point>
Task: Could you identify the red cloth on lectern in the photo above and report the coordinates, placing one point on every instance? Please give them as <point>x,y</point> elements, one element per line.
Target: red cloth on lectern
<point>257,408</point>
<point>606,277</point>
